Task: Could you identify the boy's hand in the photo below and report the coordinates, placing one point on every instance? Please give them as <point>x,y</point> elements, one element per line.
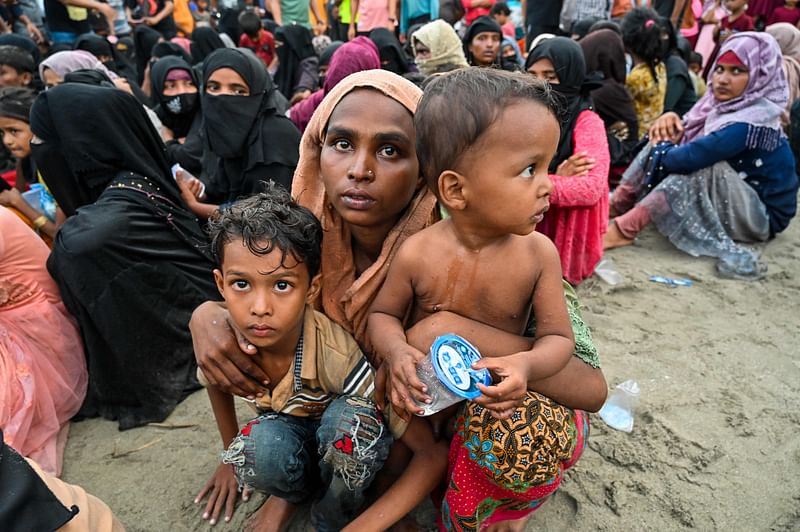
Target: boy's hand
<point>502,398</point>
<point>222,489</point>
<point>401,381</point>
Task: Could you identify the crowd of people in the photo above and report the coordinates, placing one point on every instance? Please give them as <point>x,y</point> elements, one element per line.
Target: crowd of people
<point>231,197</point>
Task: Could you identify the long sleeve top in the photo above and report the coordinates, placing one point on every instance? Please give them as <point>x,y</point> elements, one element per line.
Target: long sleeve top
<point>578,214</point>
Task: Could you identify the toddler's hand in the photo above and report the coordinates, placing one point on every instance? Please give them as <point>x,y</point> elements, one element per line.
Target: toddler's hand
<point>222,490</point>
<point>502,398</point>
<point>401,381</point>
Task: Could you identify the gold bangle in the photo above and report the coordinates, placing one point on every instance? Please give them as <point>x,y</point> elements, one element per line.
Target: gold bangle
<point>40,221</point>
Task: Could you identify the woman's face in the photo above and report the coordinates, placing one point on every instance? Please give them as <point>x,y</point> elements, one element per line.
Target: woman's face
<point>484,48</point>
<point>729,81</point>
<point>51,78</point>
<point>509,52</point>
<point>369,161</point>
<point>421,52</point>
<point>543,69</point>
<point>226,81</point>
<point>174,87</point>
<point>16,136</point>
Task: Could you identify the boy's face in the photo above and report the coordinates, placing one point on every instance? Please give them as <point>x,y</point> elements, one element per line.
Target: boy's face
<point>369,160</point>
<point>500,18</point>
<point>265,298</point>
<point>695,67</point>
<point>10,77</point>
<point>506,183</point>
<point>16,136</point>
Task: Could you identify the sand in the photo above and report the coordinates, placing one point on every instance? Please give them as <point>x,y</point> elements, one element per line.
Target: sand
<point>714,446</point>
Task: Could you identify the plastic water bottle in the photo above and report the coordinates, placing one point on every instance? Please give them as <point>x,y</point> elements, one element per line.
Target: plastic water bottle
<point>606,271</point>
<point>619,407</point>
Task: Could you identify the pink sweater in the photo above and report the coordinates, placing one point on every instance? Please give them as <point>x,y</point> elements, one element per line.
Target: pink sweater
<point>578,215</point>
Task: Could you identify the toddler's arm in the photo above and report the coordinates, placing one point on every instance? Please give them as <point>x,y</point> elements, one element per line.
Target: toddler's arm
<point>424,472</point>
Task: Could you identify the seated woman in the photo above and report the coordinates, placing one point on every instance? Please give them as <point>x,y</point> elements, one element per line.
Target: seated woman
<point>482,45</point>
<point>298,66</point>
<point>42,366</point>
<point>788,38</point>
<point>605,53</point>
<point>578,214</point>
<point>360,175</point>
<point>53,69</point>
<point>437,48</point>
<point>130,260</point>
<point>245,129</point>
<point>726,173</point>
<point>175,88</point>
<point>393,58</point>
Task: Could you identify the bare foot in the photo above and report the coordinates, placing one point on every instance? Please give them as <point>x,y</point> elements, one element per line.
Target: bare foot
<point>517,525</point>
<point>614,238</point>
<point>273,516</point>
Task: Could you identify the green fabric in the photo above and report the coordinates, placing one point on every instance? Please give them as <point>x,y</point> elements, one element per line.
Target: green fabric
<point>344,12</point>
<point>295,11</point>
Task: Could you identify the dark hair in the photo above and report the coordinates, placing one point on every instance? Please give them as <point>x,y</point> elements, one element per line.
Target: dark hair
<point>459,106</point>
<point>500,8</point>
<point>606,25</point>
<point>695,58</point>
<point>17,58</point>
<point>265,221</point>
<point>641,35</point>
<point>16,102</point>
<point>250,23</point>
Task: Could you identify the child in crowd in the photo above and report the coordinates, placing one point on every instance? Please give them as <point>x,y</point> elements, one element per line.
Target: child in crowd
<point>786,13</point>
<point>501,13</point>
<point>696,73</point>
<point>495,188</point>
<point>200,14</point>
<point>737,20</point>
<point>647,80</point>
<point>16,67</point>
<point>319,435</point>
<point>257,39</point>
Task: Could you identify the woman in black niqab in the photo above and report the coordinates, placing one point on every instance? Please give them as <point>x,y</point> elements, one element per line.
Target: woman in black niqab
<point>393,58</point>
<point>297,60</point>
<point>131,261</point>
<point>144,38</point>
<point>250,134</point>
<point>205,41</point>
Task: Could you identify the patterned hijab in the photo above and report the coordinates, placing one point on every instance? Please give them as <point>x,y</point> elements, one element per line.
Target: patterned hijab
<point>762,102</point>
<point>346,298</point>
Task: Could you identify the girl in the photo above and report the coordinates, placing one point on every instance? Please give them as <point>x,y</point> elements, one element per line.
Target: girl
<point>437,48</point>
<point>128,238</point>
<point>359,244</point>
<point>245,127</point>
<point>737,20</point>
<point>482,45</point>
<point>15,108</point>
<point>647,80</point>
<point>578,215</point>
<point>732,177</point>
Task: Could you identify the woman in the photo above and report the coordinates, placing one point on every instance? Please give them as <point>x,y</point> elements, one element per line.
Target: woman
<point>482,45</point>
<point>204,41</point>
<point>788,38</point>
<point>107,54</point>
<point>53,69</point>
<point>298,65</point>
<point>245,127</point>
<point>358,245</point>
<point>175,89</point>
<point>354,56</point>
<point>393,58</point>
<point>578,215</point>
<point>144,38</point>
<point>130,260</point>
<point>437,48</point>
<point>42,366</point>
<point>732,178</point>
<point>605,53</point>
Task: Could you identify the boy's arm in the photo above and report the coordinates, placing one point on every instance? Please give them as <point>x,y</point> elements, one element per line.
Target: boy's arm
<point>224,413</point>
<point>169,7</point>
<point>276,11</point>
<point>425,471</point>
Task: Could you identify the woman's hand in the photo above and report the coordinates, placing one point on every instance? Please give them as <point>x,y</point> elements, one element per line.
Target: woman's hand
<point>222,490</point>
<point>11,198</point>
<point>502,398</point>
<point>223,353</point>
<point>578,164</point>
<point>397,378</point>
<point>667,127</point>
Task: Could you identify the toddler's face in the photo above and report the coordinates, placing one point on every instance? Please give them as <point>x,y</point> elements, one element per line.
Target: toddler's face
<point>369,160</point>
<point>265,294</point>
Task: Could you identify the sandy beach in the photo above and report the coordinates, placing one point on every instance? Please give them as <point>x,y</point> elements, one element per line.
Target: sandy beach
<point>714,446</point>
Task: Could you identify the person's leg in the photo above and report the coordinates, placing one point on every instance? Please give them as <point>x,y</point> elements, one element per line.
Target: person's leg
<point>353,444</point>
<point>624,228</point>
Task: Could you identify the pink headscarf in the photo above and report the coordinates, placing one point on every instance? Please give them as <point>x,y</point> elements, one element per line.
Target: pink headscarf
<point>62,63</point>
<point>355,56</point>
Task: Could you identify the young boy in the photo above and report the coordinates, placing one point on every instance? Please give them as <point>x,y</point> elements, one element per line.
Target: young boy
<point>256,38</point>
<point>16,67</point>
<point>501,13</point>
<point>319,436</point>
<point>485,263</point>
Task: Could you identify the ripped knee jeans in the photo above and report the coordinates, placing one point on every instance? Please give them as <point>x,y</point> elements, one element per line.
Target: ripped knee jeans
<point>331,460</point>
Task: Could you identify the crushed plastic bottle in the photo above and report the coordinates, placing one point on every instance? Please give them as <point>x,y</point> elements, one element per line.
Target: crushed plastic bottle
<point>618,410</point>
<point>606,271</point>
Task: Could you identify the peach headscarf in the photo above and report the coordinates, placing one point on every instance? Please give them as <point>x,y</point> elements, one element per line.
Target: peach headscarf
<point>344,298</point>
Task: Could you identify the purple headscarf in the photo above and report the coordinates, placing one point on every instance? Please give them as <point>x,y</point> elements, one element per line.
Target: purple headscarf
<point>761,104</point>
<point>354,56</point>
<point>62,63</point>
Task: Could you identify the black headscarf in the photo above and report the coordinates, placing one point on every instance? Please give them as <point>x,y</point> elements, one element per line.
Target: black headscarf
<point>99,46</point>
<point>205,41</point>
<point>168,49</point>
<point>296,46</point>
<point>175,112</point>
<point>393,58</point>
<point>89,76</point>
<point>144,38</point>
<point>582,27</point>
<point>605,53</point>
<point>247,131</point>
<point>78,162</point>
<point>567,58</point>
<point>482,24</point>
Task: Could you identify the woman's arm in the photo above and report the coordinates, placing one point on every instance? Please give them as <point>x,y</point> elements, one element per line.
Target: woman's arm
<point>584,191</point>
<point>706,151</point>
